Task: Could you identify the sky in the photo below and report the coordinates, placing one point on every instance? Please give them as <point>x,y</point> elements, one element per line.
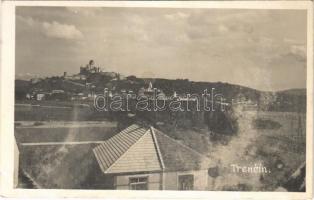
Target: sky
<point>261,49</point>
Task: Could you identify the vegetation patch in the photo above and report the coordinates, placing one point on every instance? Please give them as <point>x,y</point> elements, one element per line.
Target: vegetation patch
<point>63,134</point>
<point>266,124</point>
<point>238,187</point>
<point>38,123</point>
<point>56,166</point>
<point>279,156</point>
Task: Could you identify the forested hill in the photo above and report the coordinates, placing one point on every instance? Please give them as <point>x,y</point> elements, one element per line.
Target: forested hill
<point>288,100</point>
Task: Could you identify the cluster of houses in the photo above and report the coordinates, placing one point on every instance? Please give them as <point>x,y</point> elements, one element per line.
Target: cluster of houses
<point>43,95</point>
<point>88,91</point>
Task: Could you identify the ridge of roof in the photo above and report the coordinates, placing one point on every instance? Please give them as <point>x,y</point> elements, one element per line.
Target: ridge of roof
<point>112,149</point>
<point>157,147</point>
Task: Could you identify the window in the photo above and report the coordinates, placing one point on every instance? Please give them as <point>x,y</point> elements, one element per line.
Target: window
<point>139,183</point>
<point>186,182</point>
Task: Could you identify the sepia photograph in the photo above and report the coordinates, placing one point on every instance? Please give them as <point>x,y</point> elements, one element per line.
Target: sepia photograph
<point>161,98</point>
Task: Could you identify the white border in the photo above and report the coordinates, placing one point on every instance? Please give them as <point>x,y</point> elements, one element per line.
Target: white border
<point>7,78</point>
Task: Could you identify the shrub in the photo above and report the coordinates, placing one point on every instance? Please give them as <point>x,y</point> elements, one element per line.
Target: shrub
<point>266,124</point>
<point>38,123</point>
<point>17,123</point>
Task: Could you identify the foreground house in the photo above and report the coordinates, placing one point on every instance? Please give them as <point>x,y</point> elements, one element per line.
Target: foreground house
<point>143,158</point>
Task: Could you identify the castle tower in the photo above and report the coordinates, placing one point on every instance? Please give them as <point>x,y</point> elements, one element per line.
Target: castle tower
<point>91,64</point>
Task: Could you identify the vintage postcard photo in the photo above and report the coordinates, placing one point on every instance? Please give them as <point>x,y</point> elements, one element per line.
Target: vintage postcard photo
<point>173,98</point>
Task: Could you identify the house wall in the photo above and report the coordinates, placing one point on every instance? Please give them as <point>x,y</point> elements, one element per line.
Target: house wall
<point>200,179</point>
<point>122,181</point>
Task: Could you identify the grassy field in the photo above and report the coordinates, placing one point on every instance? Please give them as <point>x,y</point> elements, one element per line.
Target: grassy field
<point>282,149</point>
<point>63,167</point>
<point>33,134</point>
<point>55,111</point>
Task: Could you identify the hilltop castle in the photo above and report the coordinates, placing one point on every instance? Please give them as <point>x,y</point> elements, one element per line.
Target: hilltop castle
<point>89,68</point>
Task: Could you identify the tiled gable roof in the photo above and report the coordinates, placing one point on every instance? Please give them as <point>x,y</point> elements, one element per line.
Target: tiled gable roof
<point>170,154</point>
<point>108,152</point>
<point>140,157</point>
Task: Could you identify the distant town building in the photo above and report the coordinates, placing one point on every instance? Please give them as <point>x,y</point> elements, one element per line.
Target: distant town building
<point>112,75</point>
<point>74,77</point>
<point>40,96</point>
<point>150,92</point>
<point>35,80</point>
<point>57,91</point>
<point>150,87</point>
<point>28,96</point>
<point>175,94</point>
